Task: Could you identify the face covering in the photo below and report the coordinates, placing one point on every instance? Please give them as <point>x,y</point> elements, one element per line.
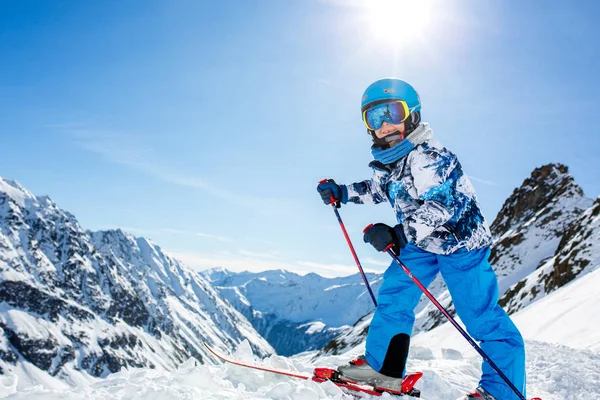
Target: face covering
<point>421,134</point>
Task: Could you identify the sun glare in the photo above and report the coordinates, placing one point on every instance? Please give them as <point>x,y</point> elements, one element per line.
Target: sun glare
<point>398,22</point>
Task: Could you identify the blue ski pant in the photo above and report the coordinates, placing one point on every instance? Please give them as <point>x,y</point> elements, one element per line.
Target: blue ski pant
<point>474,289</point>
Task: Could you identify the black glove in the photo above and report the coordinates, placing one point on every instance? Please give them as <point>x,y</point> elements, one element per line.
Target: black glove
<point>330,192</point>
<point>381,236</point>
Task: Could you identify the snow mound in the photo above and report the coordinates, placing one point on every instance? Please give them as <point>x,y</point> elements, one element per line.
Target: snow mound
<point>555,372</point>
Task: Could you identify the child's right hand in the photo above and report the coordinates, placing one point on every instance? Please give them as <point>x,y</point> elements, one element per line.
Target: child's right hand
<point>330,191</point>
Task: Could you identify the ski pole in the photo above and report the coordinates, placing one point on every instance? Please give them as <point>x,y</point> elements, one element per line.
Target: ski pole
<point>335,205</point>
<point>452,320</point>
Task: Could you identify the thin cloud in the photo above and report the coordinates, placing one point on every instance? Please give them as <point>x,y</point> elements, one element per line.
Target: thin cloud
<point>348,3</point>
<point>373,261</point>
<point>263,255</point>
<point>153,232</point>
<point>485,182</point>
<point>128,150</point>
<point>262,241</point>
<point>192,233</point>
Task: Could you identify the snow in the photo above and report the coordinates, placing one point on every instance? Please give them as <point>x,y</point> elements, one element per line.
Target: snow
<point>562,342</point>
<point>575,306</point>
<point>15,191</point>
<point>313,327</point>
<point>554,372</point>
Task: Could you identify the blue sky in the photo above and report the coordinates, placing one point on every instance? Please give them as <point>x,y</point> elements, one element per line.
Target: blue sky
<point>205,125</point>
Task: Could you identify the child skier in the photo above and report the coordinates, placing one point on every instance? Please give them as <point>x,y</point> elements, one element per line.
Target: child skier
<point>441,229</point>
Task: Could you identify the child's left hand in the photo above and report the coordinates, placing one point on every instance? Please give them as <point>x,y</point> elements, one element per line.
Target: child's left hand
<point>382,236</point>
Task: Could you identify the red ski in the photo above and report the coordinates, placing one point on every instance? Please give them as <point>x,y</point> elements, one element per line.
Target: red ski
<point>329,374</point>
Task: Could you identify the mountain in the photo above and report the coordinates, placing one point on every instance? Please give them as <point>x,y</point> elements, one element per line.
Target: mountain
<point>532,222</point>
<point>75,303</point>
<point>295,313</point>
<point>578,254</point>
<point>546,234</point>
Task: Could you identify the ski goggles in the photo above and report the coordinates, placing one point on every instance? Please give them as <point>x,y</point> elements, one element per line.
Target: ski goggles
<point>393,112</point>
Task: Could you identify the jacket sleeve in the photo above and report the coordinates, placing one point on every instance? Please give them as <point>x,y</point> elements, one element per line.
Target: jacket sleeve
<point>435,183</point>
<point>371,191</point>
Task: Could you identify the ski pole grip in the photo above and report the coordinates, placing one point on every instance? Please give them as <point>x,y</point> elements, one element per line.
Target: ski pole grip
<point>332,199</point>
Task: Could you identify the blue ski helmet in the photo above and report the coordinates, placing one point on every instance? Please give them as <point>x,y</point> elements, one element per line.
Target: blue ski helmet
<point>391,89</point>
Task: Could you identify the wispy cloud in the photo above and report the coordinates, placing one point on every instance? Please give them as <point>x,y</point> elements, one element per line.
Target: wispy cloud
<point>192,233</point>
<point>484,181</point>
<point>153,232</point>
<point>262,255</point>
<point>349,3</point>
<point>256,240</point>
<point>373,261</point>
<point>129,150</point>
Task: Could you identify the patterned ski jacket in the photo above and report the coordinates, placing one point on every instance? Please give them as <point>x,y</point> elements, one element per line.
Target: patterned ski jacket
<point>432,197</point>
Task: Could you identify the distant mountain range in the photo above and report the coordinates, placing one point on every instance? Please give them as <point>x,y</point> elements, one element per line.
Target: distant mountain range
<point>295,313</point>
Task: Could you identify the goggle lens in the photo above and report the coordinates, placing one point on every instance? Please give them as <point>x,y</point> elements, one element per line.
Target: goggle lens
<point>394,112</point>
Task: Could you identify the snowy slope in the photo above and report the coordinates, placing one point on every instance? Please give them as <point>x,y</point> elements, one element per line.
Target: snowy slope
<point>76,304</point>
<point>554,373</point>
<point>568,316</point>
<point>577,254</point>
<point>566,371</point>
<point>295,313</point>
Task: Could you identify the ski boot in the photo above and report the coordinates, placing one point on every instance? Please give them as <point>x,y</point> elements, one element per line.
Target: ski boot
<point>360,371</point>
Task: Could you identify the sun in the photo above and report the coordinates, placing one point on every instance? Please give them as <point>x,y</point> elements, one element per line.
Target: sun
<point>398,22</point>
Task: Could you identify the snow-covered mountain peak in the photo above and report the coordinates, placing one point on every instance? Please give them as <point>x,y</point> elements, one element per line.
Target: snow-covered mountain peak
<point>17,193</point>
<point>74,302</point>
<point>529,227</point>
<point>548,186</point>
